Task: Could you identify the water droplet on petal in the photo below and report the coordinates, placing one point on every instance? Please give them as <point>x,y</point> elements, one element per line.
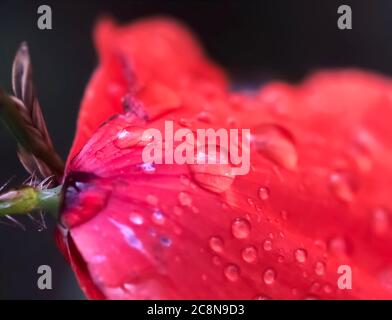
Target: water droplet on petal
<point>136,218</point>
<point>216,244</point>
<point>385,278</point>
<point>261,297</point>
<point>185,199</point>
<point>277,144</point>
<point>165,241</point>
<point>211,174</point>
<point>327,288</point>
<point>267,245</point>
<point>263,193</point>
<point>158,217</point>
<point>343,186</point>
<point>216,260</point>
<point>152,200</point>
<point>300,255</point>
<point>240,228</point>
<point>380,220</point>
<point>319,268</point>
<point>361,157</point>
<point>269,276</point>
<point>177,211</point>
<point>148,167</point>
<point>205,116</point>
<point>249,254</point>
<point>284,214</point>
<point>338,245</point>
<point>128,137</point>
<point>232,272</point>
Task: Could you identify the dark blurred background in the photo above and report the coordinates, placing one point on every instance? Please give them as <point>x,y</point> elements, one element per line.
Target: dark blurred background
<point>254,40</point>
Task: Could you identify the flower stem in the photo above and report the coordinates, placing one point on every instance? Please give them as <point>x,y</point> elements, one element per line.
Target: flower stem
<point>29,199</point>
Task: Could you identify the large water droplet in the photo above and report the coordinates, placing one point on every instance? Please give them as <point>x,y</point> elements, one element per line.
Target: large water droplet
<point>343,186</point>
<point>216,177</point>
<point>249,254</point>
<point>300,255</point>
<point>240,228</point>
<point>269,276</point>
<point>277,144</point>
<point>232,272</point>
<point>128,137</point>
<point>216,244</point>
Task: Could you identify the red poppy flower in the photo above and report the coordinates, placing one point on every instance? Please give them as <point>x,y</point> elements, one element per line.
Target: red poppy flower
<point>317,195</point>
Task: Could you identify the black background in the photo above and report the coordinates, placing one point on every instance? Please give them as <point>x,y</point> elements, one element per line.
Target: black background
<point>254,40</point>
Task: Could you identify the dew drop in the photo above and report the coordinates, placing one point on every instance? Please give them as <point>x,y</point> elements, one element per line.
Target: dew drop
<point>338,245</point>
<point>284,214</point>
<point>158,217</point>
<point>152,200</point>
<point>128,137</point>
<point>249,254</point>
<point>261,297</point>
<point>232,272</point>
<point>385,278</point>
<point>212,174</point>
<point>216,244</point>
<point>319,268</point>
<point>327,288</point>
<point>300,255</point>
<point>240,228</point>
<point>216,260</point>
<point>269,276</point>
<point>136,218</point>
<point>165,241</point>
<point>380,220</point>
<point>315,287</point>
<point>361,156</point>
<point>343,186</point>
<point>263,193</point>
<point>185,199</point>
<point>205,116</point>
<point>267,245</point>
<point>148,167</point>
<point>277,144</point>
<point>177,211</point>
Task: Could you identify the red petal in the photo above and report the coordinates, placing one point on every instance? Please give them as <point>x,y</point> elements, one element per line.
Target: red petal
<point>155,60</point>
<point>317,195</point>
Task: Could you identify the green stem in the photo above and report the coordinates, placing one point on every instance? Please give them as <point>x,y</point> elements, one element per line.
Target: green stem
<point>16,124</point>
<point>29,199</point>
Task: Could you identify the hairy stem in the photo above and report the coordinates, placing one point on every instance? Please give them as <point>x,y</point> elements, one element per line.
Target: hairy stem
<point>29,199</point>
